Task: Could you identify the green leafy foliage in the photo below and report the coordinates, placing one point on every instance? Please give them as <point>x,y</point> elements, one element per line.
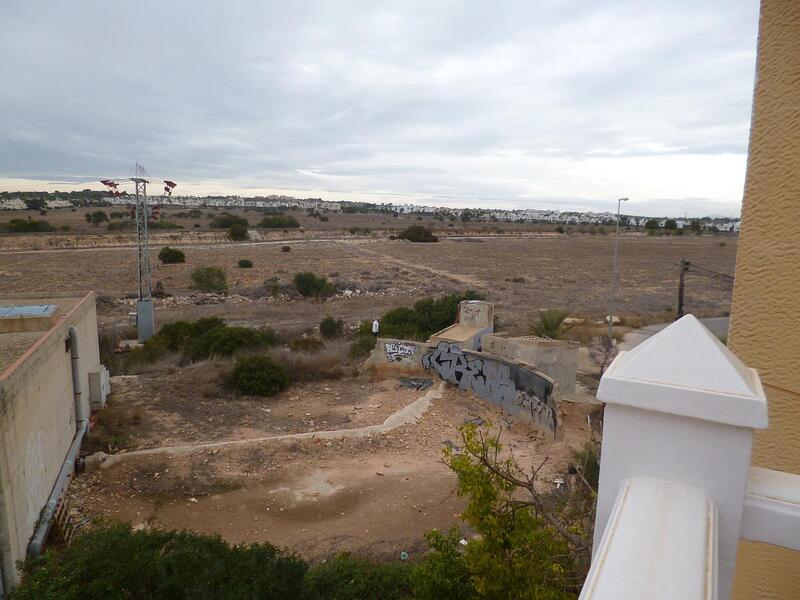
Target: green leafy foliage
<point>245,263</point>
<point>349,578</point>
<point>115,563</point>
<point>331,328</point>
<point>444,572</point>
<point>428,316</point>
<point>550,324</point>
<point>279,221</point>
<point>309,285</point>
<point>259,376</point>
<point>417,233</point>
<point>169,256</point>
<point>209,279</point>
<point>225,220</point>
<point>96,217</point>
<point>27,226</point>
<point>238,232</point>
<point>362,346</point>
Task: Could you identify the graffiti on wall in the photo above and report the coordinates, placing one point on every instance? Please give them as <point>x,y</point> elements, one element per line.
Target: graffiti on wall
<point>515,388</point>
<point>399,350</point>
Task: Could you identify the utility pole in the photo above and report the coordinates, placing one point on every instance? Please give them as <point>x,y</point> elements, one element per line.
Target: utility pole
<point>685,264</point>
<point>614,274</point>
<point>145,312</point>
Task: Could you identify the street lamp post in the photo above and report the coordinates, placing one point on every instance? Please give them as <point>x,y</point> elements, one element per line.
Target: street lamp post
<point>614,274</point>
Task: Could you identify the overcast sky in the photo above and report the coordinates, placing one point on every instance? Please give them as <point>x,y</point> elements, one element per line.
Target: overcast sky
<point>563,104</point>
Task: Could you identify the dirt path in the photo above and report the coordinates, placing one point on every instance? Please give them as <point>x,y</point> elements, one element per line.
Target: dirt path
<point>464,279</point>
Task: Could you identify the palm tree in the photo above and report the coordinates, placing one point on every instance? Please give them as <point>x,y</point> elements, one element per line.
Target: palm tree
<point>550,324</point>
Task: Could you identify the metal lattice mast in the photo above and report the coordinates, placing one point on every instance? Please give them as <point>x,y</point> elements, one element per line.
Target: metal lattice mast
<point>142,234</point>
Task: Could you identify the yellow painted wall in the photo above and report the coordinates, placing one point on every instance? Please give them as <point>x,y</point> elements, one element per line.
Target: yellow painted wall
<point>765,315</point>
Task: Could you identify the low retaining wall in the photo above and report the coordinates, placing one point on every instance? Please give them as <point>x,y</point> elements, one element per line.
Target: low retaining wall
<point>392,356</point>
<point>517,388</point>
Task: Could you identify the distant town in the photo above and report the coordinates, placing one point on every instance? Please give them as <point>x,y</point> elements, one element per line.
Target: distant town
<point>56,200</point>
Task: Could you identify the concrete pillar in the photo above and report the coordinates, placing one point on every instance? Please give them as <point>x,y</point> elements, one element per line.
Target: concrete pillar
<point>681,407</point>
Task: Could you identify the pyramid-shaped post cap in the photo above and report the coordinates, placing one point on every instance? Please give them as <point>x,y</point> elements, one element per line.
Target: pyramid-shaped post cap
<point>685,370</point>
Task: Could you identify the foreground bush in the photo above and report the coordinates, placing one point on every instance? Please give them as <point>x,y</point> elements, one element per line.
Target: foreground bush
<point>225,220</point>
<point>209,279</point>
<point>225,341</point>
<point>116,563</point>
<point>238,232</point>
<point>259,376</point>
<point>331,328</point>
<point>279,221</point>
<point>170,256</point>
<point>417,233</point>
<point>309,285</point>
<point>349,578</point>
<point>27,226</point>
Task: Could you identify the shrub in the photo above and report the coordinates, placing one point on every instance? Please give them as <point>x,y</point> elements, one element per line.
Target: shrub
<point>96,217</point>
<point>559,229</point>
<point>331,328</point>
<point>27,226</point>
<point>120,225</point>
<point>286,248</point>
<point>195,213</point>
<point>550,324</point>
<point>225,220</point>
<point>238,232</point>
<point>113,562</point>
<point>259,376</point>
<point>170,256</point>
<point>346,577</point>
<point>65,228</point>
<point>362,346</point>
<point>426,318</point>
<point>245,263</point>
<point>307,344</point>
<point>310,286</point>
<point>274,286</point>
<point>279,221</point>
<point>225,340</point>
<point>209,279</point>
<point>417,233</point>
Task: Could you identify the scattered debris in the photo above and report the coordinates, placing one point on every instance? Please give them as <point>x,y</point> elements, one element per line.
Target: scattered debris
<point>416,383</point>
<point>475,421</point>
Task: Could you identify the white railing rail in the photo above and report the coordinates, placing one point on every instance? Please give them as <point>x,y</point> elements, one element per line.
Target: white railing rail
<point>677,438</point>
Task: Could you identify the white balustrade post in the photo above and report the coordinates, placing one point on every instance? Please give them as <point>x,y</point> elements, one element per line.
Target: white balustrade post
<point>681,407</point>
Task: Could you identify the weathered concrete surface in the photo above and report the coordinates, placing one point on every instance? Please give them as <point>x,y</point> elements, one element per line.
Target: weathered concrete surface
<point>37,420</point>
<point>475,319</point>
<point>393,357</point>
<point>558,359</point>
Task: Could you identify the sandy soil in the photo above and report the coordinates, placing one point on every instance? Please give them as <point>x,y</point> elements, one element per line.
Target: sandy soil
<point>375,496</point>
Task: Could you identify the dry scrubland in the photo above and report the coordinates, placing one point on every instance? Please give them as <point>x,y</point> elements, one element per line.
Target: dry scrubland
<point>375,495</point>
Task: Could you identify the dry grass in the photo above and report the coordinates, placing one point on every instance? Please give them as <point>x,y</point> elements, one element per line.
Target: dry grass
<point>329,363</point>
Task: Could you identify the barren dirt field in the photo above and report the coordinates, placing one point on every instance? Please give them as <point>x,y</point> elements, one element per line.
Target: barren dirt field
<point>520,274</point>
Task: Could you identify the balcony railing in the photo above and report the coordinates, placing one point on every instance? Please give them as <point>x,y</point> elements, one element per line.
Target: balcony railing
<point>677,491</point>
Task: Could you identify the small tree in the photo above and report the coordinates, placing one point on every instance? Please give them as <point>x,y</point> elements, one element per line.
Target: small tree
<point>170,256</point>
<point>550,324</point>
<point>209,279</point>
<point>696,225</point>
<point>651,224</point>
<point>238,232</point>
<point>331,328</point>
<point>96,217</point>
<point>259,376</point>
<point>670,224</point>
<point>417,233</point>
<point>245,263</point>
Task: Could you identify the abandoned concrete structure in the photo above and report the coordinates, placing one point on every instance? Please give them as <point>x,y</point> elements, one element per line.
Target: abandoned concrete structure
<point>49,370</point>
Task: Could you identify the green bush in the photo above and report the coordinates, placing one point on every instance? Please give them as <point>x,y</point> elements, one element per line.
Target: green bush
<point>245,263</point>
<point>238,232</point>
<point>279,221</point>
<point>417,233</point>
<point>96,217</point>
<point>550,324</point>
<point>209,279</point>
<point>346,577</point>
<point>169,256</point>
<point>307,344</point>
<point>426,318</point>
<point>559,229</point>
<point>225,340</point>
<point>286,248</point>
<point>27,226</point>
<point>331,328</point>
<point>259,376</point>
<point>113,562</point>
<point>309,285</point>
<point>225,220</point>
<point>362,346</point>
